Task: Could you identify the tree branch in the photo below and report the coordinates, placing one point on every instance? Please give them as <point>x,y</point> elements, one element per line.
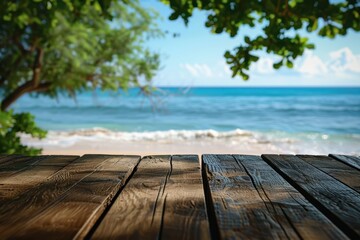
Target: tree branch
<point>12,97</point>
<point>29,86</point>
<point>277,6</point>
<point>25,88</point>
<point>43,87</point>
<point>37,66</point>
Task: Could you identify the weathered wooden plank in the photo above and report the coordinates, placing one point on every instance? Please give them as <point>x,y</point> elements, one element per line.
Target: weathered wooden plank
<point>137,212</point>
<point>35,170</point>
<point>163,200</point>
<point>285,201</point>
<point>17,164</point>
<point>337,201</point>
<point>239,211</point>
<point>13,163</point>
<point>185,213</point>
<point>7,157</point>
<point>337,169</point>
<point>352,161</point>
<point>251,201</point>
<point>70,202</point>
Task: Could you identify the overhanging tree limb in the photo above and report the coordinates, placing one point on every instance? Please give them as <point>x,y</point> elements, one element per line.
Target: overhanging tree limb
<point>324,17</point>
<point>21,90</point>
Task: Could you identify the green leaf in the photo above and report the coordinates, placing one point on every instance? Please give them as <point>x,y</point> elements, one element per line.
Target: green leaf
<point>173,16</point>
<point>227,54</point>
<point>278,64</point>
<point>289,64</point>
<point>310,46</point>
<point>11,125</point>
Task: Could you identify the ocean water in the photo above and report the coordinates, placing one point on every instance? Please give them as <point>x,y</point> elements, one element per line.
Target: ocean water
<point>319,119</point>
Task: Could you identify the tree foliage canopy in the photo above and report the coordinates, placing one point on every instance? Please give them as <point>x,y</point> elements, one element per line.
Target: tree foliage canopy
<point>281,22</point>
<point>68,46</point>
<point>52,47</point>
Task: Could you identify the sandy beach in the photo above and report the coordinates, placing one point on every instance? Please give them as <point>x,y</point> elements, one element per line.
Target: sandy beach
<point>149,148</point>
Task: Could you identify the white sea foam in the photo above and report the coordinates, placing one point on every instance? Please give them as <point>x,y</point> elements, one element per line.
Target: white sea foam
<point>307,143</point>
<point>96,133</point>
<point>70,138</point>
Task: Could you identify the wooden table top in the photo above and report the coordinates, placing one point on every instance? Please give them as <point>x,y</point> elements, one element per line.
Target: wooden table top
<point>180,197</point>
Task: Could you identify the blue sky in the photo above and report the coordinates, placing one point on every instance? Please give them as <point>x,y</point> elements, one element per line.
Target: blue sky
<point>195,58</point>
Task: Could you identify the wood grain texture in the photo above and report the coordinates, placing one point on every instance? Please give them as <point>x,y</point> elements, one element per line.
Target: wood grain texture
<point>17,164</point>
<point>70,202</point>
<point>163,200</point>
<point>162,197</point>
<point>352,161</point>
<point>338,202</point>
<point>5,158</point>
<point>337,169</point>
<point>185,213</point>
<point>12,164</point>
<point>251,201</point>
<point>18,177</point>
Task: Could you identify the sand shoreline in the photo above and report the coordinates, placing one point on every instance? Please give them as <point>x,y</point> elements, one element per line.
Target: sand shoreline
<point>151,148</point>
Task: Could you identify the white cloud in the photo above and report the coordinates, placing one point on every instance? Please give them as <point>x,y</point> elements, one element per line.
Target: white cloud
<point>204,69</point>
<point>198,70</point>
<point>226,68</point>
<point>310,64</point>
<point>192,70</point>
<point>341,62</point>
<point>263,66</point>
<point>344,60</point>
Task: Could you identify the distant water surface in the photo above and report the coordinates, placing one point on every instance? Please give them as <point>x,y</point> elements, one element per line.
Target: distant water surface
<point>314,115</point>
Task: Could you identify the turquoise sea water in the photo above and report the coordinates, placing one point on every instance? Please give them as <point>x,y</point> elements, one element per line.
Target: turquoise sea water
<point>323,114</point>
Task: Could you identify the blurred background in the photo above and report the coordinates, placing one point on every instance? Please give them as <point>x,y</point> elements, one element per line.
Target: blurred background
<point>164,77</point>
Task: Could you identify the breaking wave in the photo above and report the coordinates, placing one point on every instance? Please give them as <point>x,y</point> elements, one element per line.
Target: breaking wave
<point>153,135</point>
